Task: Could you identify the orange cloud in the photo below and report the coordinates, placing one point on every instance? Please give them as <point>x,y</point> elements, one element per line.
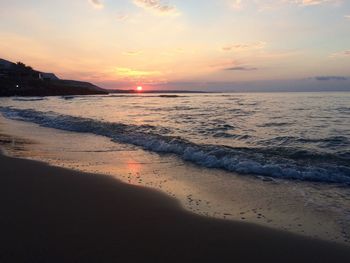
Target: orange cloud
<point>133,53</point>
<point>129,73</point>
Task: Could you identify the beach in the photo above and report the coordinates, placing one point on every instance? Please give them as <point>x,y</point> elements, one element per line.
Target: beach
<point>52,214</point>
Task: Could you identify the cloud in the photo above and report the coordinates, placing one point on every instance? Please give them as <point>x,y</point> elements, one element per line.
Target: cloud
<point>314,2</point>
<point>240,68</point>
<point>133,53</point>
<point>122,17</point>
<point>233,65</point>
<point>329,78</point>
<point>309,2</point>
<point>129,73</point>
<point>157,6</point>
<point>263,5</point>
<point>236,4</point>
<point>347,17</point>
<point>97,3</point>
<point>345,53</point>
<point>244,46</point>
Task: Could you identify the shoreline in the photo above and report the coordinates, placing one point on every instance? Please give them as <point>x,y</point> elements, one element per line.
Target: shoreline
<point>240,199</point>
<point>53,214</point>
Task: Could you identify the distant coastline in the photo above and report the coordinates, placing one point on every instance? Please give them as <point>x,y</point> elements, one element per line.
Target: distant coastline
<point>130,91</point>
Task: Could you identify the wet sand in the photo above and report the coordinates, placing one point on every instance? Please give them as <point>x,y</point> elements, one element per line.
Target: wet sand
<point>51,214</point>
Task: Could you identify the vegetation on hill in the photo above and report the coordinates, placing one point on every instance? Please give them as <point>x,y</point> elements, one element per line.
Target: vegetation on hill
<point>18,79</point>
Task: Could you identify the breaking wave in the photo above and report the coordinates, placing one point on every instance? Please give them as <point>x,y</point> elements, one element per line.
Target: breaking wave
<point>28,99</point>
<point>284,163</point>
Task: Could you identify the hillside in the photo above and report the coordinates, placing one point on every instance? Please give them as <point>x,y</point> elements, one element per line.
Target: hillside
<point>17,79</point>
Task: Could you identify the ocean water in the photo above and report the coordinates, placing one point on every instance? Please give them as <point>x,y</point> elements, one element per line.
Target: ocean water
<point>289,136</point>
<point>277,159</point>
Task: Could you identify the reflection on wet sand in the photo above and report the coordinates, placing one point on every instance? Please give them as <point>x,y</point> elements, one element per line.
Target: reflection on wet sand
<point>301,208</point>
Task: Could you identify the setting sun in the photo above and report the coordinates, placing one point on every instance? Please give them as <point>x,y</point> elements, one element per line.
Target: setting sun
<point>139,88</point>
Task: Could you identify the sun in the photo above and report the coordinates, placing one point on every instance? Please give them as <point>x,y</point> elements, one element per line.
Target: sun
<point>139,88</point>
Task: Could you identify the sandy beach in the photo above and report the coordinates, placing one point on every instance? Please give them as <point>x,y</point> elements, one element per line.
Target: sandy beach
<point>53,214</point>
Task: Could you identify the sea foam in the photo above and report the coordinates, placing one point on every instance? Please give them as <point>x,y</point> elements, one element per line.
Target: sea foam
<point>276,163</point>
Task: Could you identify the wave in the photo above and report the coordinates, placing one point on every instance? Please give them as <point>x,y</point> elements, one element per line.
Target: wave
<point>344,110</point>
<point>284,163</point>
<point>145,95</point>
<point>27,99</point>
<point>274,124</point>
<point>331,142</point>
<point>170,96</point>
<point>68,97</point>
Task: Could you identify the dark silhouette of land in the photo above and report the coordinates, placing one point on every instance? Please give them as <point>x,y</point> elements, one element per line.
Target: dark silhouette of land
<point>18,79</point>
<point>131,91</point>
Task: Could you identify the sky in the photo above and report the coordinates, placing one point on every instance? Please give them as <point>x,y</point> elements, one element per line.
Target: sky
<point>213,45</point>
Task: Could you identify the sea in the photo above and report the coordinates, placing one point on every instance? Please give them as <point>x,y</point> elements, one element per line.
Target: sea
<point>280,158</point>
